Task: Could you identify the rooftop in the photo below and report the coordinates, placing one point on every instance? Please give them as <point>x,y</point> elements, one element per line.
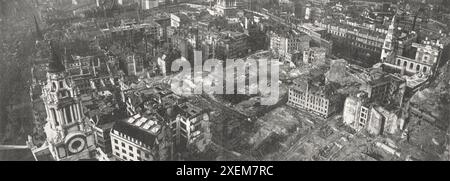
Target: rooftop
<point>189,110</point>
<point>232,35</point>
<point>315,83</point>
<point>415,80</point>
<point>313,27</point>
<point>142,128</point>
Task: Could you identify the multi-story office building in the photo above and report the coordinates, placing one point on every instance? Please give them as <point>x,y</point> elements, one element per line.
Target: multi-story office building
<point>314,55</point>
<point>358,41</point>
<point>356,111</point>
<point>140,138</point>
<point>190,128</point>
<point>103,111</point>
<point>380,86</point>
<point>189,124</point>
<point>134,65</point>
<point>131,31</point>
<point>230,44</point>
<point>314,96</point>
<point>103,138</point>
<point>288,43</point>
<point>149,4</point>
<point>377,106</point>
<point>360,113</point>
<point>227,7</point>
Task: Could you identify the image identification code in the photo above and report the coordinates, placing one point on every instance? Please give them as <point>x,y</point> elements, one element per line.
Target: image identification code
<point>246,170</point>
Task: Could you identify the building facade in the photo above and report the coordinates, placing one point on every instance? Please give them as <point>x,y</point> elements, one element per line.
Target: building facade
<point>363,43</point>
<point>425,61</point>
<point>149,4</point>
<point>140,138</point>
<point>286,45</point>
<point>231,45</point>
<point>314,97</point>
<point>363,114</point>
<point>380,86</point>
<point>227,7</point>
<point>190,128</point>
<point>356,111</point>
<point>314,55</point>
<point>132,31</point>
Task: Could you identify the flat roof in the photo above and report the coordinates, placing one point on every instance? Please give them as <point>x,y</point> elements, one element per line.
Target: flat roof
<point>313,27</point>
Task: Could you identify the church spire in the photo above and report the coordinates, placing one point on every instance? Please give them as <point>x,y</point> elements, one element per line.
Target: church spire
<point>392,25</point>
<point>67,134</point>
<point>388,45</point>
<point>55,64</point>
<point>38,30</point>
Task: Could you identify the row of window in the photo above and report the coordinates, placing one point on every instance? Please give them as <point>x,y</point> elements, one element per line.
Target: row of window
<point>135,141</point>
<point>303,104</point>
<point>320,111</point>
<point>314,99</point>
<point>60,85</point>
<point>361,45</point>
<point>126,151</point>
<point>411,65</point>
<point>367,40</point>
<point>380,90</point>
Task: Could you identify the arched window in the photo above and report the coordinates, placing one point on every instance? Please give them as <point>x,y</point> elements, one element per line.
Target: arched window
<point>411,65</point>
<point>425,58</point>
<point>418,68</point>
<point>399,62</point>
<point>405,64</point>
<point>424,69</point>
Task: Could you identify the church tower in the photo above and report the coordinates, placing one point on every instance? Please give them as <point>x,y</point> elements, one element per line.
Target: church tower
<point>68,136</point>
<point>388,45</point>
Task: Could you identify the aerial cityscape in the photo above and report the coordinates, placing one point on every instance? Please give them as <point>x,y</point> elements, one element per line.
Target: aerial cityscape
<point>224,80</point>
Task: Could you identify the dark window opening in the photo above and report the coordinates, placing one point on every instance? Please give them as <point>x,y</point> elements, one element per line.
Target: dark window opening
<point>54,116</point>
<point>68,115</point>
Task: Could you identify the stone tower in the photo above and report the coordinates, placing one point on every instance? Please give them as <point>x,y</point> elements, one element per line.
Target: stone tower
<point>68,136</point>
